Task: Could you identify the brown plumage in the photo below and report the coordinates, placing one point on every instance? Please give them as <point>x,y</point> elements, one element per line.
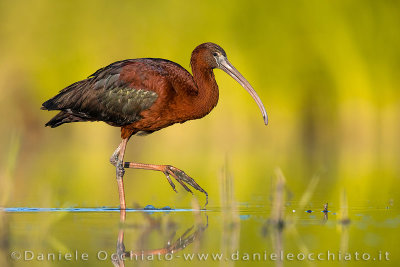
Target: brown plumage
<point>146,95</point>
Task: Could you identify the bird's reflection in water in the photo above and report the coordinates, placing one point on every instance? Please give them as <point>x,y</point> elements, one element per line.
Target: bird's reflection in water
<point>173,245</point>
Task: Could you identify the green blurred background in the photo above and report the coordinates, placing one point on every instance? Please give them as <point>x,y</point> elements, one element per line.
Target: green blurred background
<point>327,72</point>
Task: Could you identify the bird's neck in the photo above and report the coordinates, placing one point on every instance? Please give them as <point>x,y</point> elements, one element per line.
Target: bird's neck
<point>207,90</point>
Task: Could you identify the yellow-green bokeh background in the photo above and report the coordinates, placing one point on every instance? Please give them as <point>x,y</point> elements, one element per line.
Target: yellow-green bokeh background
<point>327,72</point>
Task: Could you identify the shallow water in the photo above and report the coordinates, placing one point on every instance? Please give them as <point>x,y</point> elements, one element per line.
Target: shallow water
<point>240,236</point>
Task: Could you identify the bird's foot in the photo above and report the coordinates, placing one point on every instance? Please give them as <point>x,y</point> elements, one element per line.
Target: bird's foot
<point>182,178</point>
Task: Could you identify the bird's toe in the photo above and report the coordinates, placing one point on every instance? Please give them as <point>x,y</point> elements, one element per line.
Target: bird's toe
<point>170,181</point>
<point>183,178</point>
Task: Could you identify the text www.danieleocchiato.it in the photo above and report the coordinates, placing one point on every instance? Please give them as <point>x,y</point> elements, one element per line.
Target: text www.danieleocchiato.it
<point>102,255</point>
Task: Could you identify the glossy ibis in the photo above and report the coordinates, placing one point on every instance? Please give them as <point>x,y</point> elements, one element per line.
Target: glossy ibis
<point>145,95</point>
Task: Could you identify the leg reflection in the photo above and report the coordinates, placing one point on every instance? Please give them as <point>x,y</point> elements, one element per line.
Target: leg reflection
<point>173,245</point>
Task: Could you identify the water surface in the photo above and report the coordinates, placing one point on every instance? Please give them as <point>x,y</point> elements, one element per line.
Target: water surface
<point>241,236</point>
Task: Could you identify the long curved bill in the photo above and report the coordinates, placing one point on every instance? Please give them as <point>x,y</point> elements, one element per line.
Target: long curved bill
<point>226,66</point>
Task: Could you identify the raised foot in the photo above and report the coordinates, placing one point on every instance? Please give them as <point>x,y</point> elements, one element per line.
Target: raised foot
<point>182,178</point>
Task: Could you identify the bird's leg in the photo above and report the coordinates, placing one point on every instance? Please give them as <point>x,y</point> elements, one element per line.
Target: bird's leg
<point>114,157</point>
<point>168,170</point>
<point>117,160</point>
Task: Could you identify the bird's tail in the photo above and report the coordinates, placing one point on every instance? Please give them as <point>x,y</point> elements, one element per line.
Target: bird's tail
<point>67,97</point>
<point>61,118</point>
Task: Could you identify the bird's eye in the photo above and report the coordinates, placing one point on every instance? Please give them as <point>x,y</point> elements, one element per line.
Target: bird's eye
<point>215,54</point>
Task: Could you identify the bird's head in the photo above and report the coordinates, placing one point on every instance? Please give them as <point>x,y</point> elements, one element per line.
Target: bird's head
<point>215,57</point>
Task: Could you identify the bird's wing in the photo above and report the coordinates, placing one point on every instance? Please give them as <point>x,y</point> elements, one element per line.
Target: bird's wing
<point>119,105</point>
<point>105,96</point>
